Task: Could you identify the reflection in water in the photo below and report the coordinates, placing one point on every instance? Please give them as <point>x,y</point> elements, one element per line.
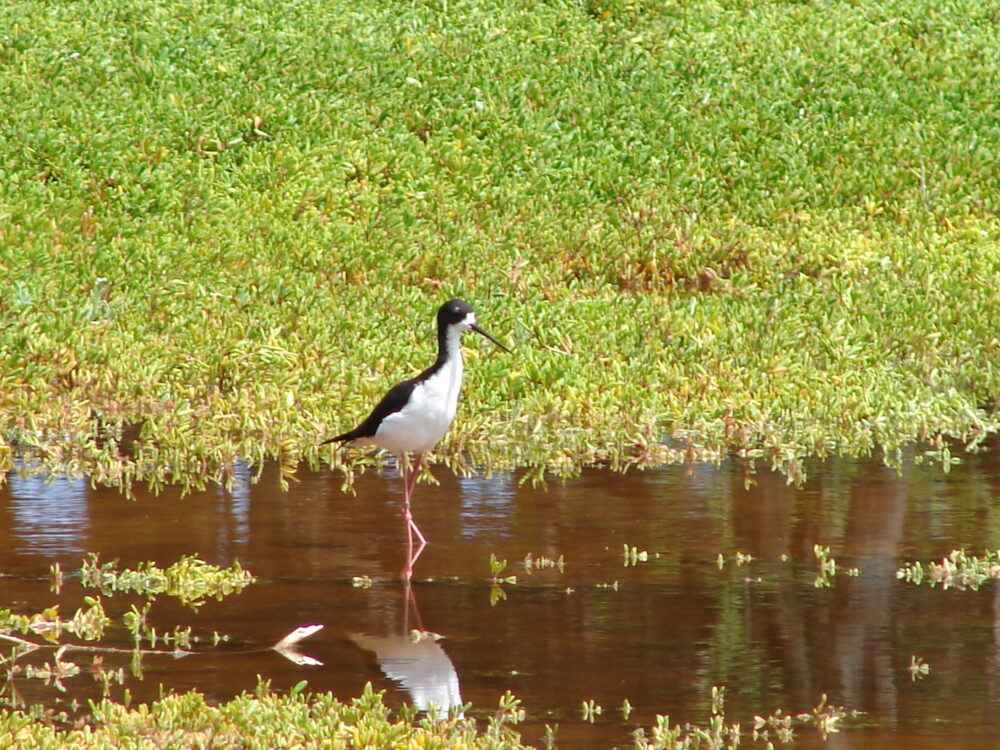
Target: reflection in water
<point>675,626</point>
<point>487,504</point>
<point>234,504</point>
<point>862,638</point>
<point>49,516</point>
<point>416,661</point>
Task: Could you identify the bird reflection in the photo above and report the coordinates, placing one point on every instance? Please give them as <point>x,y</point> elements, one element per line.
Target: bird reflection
<point>416,661</point>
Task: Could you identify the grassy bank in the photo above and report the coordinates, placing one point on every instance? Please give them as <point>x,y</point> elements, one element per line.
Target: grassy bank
<point>755,226</point>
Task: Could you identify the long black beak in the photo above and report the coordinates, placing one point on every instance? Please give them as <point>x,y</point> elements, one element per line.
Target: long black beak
<point>481,332</point>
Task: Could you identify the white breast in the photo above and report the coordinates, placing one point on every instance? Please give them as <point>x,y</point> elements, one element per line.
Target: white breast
<point>420,425</point>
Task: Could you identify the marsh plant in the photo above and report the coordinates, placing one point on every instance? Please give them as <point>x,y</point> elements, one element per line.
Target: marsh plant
<point>721,734</point>
<point>214,265</point>
<point>739,559</point>
<point>263,719</point>
<point>497,580</point>
<point>740,251</point>
<point>533,564</point>
<point>189,579</point>
<point>590,710</point>
<point>958,570</point>
<point>509,714</point>
<point>632,556</point>
<point>626,709</point>
<point>918,668</point>
<point>827,567</point>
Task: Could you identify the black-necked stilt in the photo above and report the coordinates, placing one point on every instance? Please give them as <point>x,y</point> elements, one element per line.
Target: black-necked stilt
<point>416,413</point>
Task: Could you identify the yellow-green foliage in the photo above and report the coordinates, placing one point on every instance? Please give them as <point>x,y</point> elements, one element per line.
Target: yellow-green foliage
<point>190,579</point>
<point>758,226</point>
<point>264,721</point>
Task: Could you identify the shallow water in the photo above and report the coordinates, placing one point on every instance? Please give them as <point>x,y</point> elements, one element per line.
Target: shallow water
<point>659,633</point>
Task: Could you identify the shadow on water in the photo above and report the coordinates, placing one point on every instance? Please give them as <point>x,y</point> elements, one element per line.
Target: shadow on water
<point>659,632</point>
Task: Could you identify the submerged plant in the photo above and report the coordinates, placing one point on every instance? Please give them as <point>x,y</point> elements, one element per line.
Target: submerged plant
<point>496,568</point>
<point>87,623</point>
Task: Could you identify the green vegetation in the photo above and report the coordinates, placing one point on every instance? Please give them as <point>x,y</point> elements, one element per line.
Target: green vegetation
<point>263,720</point>
<point>632,556</point>
<point>958,570</point>
<point>717,733</point>
<point>918,668</point>
<point>497,579</point>
<point>189,579</point>
<point>742,226</point>
<point>763,227</point>
<point>26,637</point>
<point>827,567</point>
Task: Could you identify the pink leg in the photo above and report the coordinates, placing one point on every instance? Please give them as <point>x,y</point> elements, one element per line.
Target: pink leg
<point>409,475</point>
<point>411,606</point>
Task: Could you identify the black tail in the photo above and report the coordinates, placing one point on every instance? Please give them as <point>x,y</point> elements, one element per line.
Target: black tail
<point>341,438</point>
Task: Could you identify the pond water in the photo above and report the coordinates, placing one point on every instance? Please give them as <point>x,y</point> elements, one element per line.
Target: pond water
<point>659,633</point>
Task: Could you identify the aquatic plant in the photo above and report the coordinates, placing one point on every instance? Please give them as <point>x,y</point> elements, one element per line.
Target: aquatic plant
<point>632,555</point>
<point>957,570</point>
<point>261,719</point>
<point>549,738</point>
<point>87,622</point>
<point>497,567</point>
<point>590,710</point>
<point>827,567</point>
<point>532,563</point>
<point>740,558</point>
<point>189,579</point>
<point>918,668</point>
<point>719,734</point>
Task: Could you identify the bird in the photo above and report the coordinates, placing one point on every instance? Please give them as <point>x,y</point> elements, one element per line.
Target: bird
<point>414,658</point>
<point>415,414</point>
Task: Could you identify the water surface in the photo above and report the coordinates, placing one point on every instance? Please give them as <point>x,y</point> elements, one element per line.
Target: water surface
<point>659,633</point>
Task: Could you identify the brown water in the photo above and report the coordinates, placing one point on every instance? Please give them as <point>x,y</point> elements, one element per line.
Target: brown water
<point>675,625</point>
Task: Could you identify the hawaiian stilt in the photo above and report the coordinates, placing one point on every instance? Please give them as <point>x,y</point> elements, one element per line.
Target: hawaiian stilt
<point>416,413</point>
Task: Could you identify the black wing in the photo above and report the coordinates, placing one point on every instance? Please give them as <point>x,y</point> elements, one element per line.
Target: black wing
<point>391,402</point>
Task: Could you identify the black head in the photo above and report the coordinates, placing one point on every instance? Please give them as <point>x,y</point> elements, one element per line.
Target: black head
<point>454,311</point>
<point>459,313</point>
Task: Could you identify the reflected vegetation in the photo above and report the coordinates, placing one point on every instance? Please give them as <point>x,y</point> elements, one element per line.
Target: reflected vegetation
<point>612,594</point>
<point>48,516</point>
